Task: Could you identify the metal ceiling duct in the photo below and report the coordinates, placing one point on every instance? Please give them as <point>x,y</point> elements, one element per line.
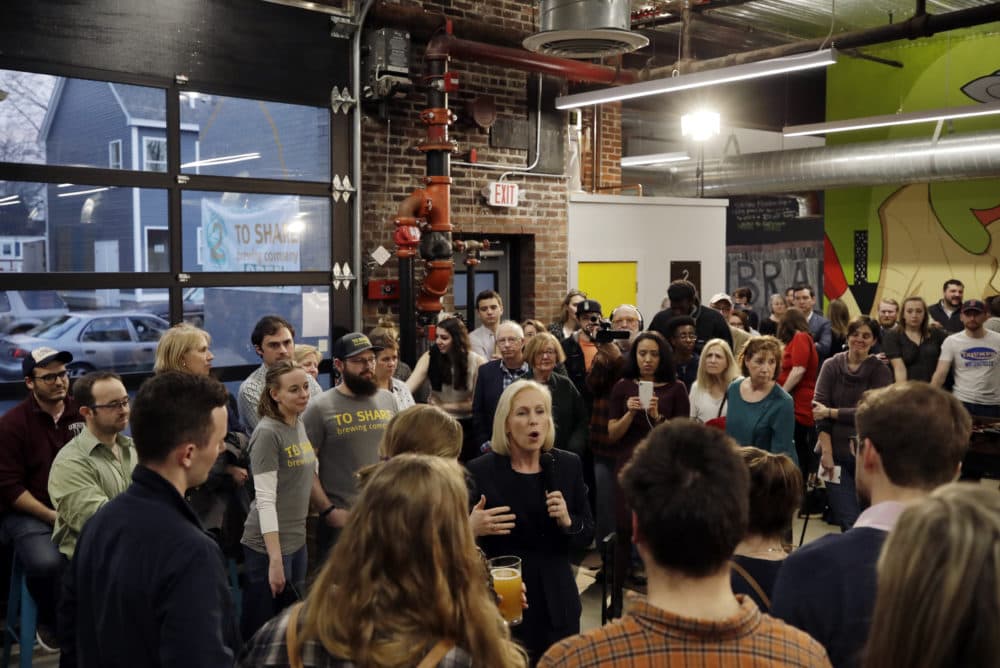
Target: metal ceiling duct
<point>585,29</point>
<point>954,158</point>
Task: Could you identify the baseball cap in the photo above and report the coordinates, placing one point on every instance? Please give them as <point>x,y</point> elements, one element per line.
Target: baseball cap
<point>720,297</point>
<point>588,306</point>
<point>973,305</point>
<point>43,356</point>
<point>351,344</point>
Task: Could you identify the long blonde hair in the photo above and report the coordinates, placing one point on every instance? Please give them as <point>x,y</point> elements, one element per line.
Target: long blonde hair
<point>938,601</point>
<point>705,382</point>
<point>422,429</point>
<point>405,574</point>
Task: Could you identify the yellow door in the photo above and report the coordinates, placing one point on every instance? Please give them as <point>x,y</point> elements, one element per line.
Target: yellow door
<point>610,283</point>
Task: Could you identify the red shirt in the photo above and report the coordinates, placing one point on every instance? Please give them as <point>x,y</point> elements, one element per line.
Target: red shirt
<point>801,351</point>
<point>29,441</point>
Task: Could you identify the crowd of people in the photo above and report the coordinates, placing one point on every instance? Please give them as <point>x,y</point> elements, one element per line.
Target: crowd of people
<point>693,442</point>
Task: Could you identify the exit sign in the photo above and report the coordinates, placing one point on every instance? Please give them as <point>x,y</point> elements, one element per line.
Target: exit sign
<point>501,193</point>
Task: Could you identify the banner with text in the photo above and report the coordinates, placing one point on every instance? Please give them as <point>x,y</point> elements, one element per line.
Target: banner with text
<point>266,238</point>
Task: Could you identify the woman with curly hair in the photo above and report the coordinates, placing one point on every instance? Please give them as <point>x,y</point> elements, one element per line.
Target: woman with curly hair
<point>451,367</point>
<point>403,586</point>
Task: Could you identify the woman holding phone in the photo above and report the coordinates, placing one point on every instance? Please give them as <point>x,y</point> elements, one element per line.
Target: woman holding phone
<point>649,371</point>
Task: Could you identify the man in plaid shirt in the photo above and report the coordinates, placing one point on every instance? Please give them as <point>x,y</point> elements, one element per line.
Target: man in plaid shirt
<point>689,493</point>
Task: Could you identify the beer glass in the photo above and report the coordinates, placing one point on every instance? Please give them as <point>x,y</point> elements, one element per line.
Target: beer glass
<point>506,572</point>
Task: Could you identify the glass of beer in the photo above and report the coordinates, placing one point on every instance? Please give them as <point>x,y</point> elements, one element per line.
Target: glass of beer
<point>506,572</point>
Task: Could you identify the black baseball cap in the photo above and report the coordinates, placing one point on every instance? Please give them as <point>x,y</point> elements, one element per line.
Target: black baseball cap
<point>973,305</point>
<point>588,306</point>
<point>351,344</point>
<point>43,356</point>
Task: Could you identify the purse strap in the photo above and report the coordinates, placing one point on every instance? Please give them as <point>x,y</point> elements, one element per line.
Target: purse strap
<point>292,637</point>
<point>725,395</point>
<point>745,574</point>
<point>437,653</point>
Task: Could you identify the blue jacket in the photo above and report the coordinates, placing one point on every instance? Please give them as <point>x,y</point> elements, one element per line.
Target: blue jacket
<point>147,586</point>
<point>827,589</point>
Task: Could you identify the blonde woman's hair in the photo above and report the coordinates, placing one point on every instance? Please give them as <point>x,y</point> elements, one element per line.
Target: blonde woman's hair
<point>539,341</point>
<point>175,343</point>
<point>267,406</point>
<point>303,350</point>
<point>500,444</point>
<point>938,602</point>
<point>405,574</point>
<point>731,373</point>
<point>422,429</point>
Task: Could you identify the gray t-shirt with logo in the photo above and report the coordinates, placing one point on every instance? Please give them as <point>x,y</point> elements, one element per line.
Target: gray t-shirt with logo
<point>976,363</point>
<point>276,446</point>
<point>346,432</point>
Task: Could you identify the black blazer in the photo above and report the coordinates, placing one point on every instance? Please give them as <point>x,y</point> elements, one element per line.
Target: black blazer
<point>544,548</point>
<point>489,387</point>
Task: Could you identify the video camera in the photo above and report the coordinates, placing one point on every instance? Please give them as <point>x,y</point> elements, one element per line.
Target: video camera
<point>606,335</point>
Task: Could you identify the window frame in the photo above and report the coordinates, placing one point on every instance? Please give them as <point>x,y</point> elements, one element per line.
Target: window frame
<point>111,154</point>
<point>175,183</point>
<point>147,141</point>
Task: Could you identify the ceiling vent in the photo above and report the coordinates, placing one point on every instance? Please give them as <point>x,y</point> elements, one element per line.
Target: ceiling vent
<point>585,29</point>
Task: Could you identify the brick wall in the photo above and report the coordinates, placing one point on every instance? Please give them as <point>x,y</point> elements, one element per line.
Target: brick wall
<point>392,167</point>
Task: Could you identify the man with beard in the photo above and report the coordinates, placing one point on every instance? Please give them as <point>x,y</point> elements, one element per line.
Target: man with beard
<point>912,438</point>
<point>97,465</point>
<point>973,355</point>
<point>948,312</point>
<point>345,425</point>
<point>31,433</point>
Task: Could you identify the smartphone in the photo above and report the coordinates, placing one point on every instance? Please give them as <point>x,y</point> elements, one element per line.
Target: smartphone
<point>645,393</point>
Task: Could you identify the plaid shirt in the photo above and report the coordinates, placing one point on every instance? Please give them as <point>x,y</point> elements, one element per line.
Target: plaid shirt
<point>651,637</point>
<point>267,648</point>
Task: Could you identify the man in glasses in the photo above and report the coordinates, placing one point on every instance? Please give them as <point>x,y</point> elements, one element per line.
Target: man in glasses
<point>97,465</point>
<point>31,434</point>
<point>495,376</point>
<point>345,425</point>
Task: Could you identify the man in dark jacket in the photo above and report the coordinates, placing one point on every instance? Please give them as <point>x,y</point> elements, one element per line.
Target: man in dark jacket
<point>708,323</point>
<point>494,377</point>
<point>147,585</point>
<point>948,311</point>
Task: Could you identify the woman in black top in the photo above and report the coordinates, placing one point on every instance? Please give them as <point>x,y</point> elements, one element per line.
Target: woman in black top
<point>913,347</point>
<point>775,492</point>
<point>544,489</point>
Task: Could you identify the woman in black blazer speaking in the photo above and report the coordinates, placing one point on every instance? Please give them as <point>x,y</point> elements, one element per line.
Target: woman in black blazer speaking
<point>545,491</point>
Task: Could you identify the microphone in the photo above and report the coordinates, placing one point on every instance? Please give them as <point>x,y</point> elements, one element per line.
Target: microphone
<point>548,463</point>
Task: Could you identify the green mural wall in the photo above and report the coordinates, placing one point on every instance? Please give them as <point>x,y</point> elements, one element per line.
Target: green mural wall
<point>898,241</point>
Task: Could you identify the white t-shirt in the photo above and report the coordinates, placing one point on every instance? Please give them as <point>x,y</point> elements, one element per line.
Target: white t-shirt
<point>703,406</point>
<point>976,364</point>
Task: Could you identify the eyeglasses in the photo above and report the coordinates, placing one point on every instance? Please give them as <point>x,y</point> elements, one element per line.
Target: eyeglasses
<point>114,405</point>
<point>362,361</point>
<point>547,353</point>
<point>687,337</point>
<point>53,377</point>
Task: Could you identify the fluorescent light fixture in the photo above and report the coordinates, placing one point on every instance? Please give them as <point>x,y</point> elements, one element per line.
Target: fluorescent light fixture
<point>908,118</point>
<point>763,68</point>
<point>654,159</point>
<point>222,160</point>
<point>7,201</point>
<point>8,198</point>
<point>82,192</point>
